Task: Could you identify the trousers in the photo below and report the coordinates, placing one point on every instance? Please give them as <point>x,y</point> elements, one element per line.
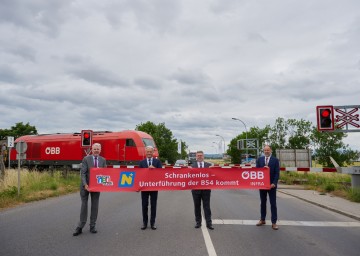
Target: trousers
<point>273,207</point>
<point>145,203</point>
<point>204,196</point>
<point>84,194</point>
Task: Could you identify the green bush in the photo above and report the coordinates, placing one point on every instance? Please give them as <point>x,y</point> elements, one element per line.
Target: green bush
<point>329,187</point>
<point>354,195</point>
<point>54,186</point>
<point>9,192</point>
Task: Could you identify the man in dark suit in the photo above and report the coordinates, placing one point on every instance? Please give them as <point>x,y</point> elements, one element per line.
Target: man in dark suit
<point>272,163</point>
<point>201,194</point>
<point>149,162</point>
<point>91,161</point>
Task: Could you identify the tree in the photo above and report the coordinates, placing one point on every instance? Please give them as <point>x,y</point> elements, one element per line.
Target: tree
<point>261,134</point>
<point>184,149</point>
<point>233,151</point>
<point>165,142</point>
<point>330,144</point>
<point>300,131</point>
<point>18,130</point>
<point>277,134</point>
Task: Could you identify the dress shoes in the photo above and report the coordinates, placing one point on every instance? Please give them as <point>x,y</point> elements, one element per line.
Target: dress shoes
<point>198,225</point>
<point>153,227</point>
<point>93,230</point>
<point>274,226</point>
<point>143,227</point>
<point>210,226</point>
<point>260,223</point>
<point>77,232</point>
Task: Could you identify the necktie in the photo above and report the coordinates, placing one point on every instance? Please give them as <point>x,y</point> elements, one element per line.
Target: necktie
<point>95,162</point>
<point>149,162</point>
<point>267,161</point>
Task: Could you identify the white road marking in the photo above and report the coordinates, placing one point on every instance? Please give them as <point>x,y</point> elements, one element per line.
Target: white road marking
<point>209,245</point>
<point>291,223</point>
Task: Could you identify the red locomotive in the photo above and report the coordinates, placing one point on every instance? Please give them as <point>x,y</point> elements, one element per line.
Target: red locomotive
<point>58,150</point>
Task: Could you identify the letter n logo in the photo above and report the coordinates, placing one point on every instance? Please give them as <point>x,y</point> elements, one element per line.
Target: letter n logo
<point>126,179</point>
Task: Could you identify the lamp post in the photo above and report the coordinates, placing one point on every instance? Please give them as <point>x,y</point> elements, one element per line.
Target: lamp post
<point>217,148</point>
<point>245,134</point>
<point>213,147</point>
<point>223,141</point>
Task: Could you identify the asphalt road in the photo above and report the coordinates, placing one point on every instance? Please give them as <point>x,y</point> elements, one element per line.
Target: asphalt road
<point>46,227</point>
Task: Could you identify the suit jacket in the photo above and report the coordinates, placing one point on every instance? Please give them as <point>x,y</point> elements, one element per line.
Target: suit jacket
<point>195,165</point>
<point>87,163</point>
<point>274,167</point>
<point>206,165</point>
<point>155,162</point>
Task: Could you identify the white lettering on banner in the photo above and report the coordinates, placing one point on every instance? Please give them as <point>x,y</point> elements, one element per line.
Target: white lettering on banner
<point>252,175</point>
<point>206,182</point>
<point>227,183</point>
<point>52,150</point>
<point>260,175</point>
<point>162,183</point>
<point>256,183</point>
<point>185,175</point>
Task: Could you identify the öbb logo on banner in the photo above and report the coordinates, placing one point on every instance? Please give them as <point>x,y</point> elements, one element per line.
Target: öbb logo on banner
<point>252,175</point>
<point>127,179</point>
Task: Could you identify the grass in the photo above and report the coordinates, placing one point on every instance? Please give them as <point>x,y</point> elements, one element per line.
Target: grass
<point>35,186</point>
<point>335,183</point>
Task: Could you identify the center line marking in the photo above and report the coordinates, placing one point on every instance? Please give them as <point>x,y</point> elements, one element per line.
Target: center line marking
<point>209,245</point>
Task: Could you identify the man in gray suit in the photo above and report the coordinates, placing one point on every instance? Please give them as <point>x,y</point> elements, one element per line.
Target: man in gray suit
<point>202,194</point>
<point>90,161</point>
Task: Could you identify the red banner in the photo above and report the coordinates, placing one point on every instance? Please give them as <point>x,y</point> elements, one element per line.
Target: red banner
<point>144,179</point>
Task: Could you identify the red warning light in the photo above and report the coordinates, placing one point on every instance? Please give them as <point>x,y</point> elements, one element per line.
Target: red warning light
<point>325,113</point>
<point>86,138</point>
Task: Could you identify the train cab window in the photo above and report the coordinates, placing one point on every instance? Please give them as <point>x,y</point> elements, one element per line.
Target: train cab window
<point>148,142</point>
<point>130,143</point>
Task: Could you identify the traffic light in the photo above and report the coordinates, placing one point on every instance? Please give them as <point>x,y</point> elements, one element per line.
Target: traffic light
<point>86,138</point>
<point>325,118</point>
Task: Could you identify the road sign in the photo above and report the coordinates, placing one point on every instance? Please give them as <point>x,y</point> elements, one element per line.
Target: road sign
<point>10,142</point>
<point>21,147</point>
<point>248,144</point>
<point>347,118</point>
<point>21,156</point>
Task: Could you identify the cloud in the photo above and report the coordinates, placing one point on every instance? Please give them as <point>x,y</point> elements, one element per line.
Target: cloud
<point>98,76</point>
<point>38,16</point>
<point>190,64</point>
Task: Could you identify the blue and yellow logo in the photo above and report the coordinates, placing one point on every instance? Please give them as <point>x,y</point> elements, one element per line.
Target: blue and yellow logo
<point>127,179</point>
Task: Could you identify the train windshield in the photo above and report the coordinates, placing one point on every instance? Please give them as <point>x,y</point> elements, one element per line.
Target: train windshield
<point>148,142</point>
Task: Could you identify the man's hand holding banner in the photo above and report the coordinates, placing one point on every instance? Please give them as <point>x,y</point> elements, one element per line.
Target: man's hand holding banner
<point>142,179</point>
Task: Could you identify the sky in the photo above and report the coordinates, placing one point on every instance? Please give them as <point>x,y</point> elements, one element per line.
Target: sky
<point>194,65</point>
